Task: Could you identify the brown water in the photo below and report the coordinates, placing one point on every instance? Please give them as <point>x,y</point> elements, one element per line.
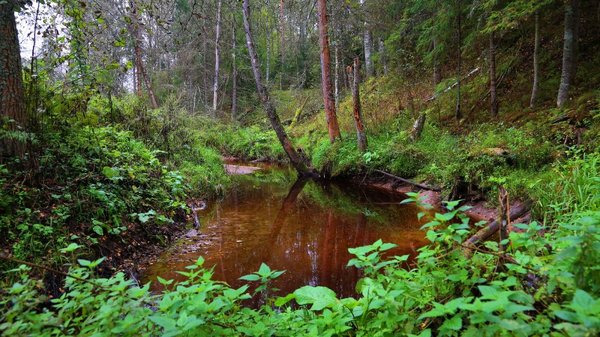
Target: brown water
<point>301,227</point>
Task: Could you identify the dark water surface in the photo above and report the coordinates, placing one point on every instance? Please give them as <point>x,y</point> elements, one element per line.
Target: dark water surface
<point>301,227</point>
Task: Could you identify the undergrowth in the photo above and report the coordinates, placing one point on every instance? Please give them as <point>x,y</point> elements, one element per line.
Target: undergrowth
<point>526,290</point>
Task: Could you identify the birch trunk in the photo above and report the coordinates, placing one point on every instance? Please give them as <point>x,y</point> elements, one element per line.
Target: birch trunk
<point>233,73</point>
<point>367,45</point>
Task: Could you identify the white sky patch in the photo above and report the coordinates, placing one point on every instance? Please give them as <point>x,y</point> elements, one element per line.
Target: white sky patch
<point>47,18</point>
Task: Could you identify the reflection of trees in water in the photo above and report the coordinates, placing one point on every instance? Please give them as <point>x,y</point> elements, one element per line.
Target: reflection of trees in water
<point>261,223</point>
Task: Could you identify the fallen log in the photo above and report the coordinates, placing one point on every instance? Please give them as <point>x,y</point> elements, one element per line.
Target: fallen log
<point>493,227</point>
<point>421,186</point>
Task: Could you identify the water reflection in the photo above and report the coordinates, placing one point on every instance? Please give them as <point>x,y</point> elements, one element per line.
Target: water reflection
<point>305,229</point>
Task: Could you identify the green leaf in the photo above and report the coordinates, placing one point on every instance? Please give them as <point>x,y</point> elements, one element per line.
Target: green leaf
<point>283,300</point>
<point>319,297</point>
<point>84,263</point>
<point>454,323</point>
<point>250,277</point>
<point>264,270</point>
<point>165,322</point>
<point>98,230</point>
<point>70,248</point>
<point>111,172</point>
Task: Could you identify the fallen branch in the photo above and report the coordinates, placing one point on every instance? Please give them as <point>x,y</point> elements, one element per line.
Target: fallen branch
<point>471,73</point>
<point>493,227</point>
<point>421,186</point>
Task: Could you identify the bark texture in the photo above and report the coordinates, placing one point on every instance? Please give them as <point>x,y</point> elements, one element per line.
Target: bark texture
<point>536,62</point>
<point>383,57</point>
<point>568,59</point>
<point>12,97</point>
<point>281,42</point>
<point>457,111</point>
<point>234,73</point>
<point>368,47</point>
<point>299,162</point>
<point>358,123</point>
<point>418,126</point>
<point>217,60</point>
<point>140,70</point>
<point>330,113</point>
<point>493,86</point>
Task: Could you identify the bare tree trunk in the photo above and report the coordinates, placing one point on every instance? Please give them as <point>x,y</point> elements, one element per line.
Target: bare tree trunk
<point>458,113</point>
<point>234,72</point>
<point>336,78</point>
<point>417,129</point>
<point>568,52</point>
<point>383,57</point>
<point>437,73</point>
<point>142,76</point>
<point>281,43</point>
<point>12,95</point>
<point>536,62</point>
<point>358,123</point>
<point>137,49</point>
<point>268,45</point>
<point>367,44</point>
<point>300,162</point>
<point>493,95</point>
<point>217,60</point>
<point>330,113</point>
<point>153,99</point>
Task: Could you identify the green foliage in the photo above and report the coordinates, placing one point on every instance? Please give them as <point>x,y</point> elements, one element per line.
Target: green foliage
<point>528,290</point>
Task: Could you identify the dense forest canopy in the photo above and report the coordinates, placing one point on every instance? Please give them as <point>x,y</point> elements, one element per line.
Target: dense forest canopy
<point>116,118</point>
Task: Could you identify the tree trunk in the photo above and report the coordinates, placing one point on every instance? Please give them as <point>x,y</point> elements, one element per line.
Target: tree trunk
<point>536,62</point>
<point>568,52</point>
<point>367,45</point>
<point>233,72</point>
<point>153,99</point>
<point>417,129</point>
<point>268,46</point>
<point>12,96</point>
<point>298,161</point>
<point>142,76</point>
<point>336,77</point>
<point>330,113</point>
<point>437,73</point>
<point>281,43</point>
<point>137,51</point>
<point>382,57</point>
<point>457,112</point>
<point>217,60</point>
<point>493,96</point>
<point>358,123</point>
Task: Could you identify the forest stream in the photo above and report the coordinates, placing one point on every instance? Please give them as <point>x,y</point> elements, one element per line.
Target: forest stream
<point>303,227</point>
